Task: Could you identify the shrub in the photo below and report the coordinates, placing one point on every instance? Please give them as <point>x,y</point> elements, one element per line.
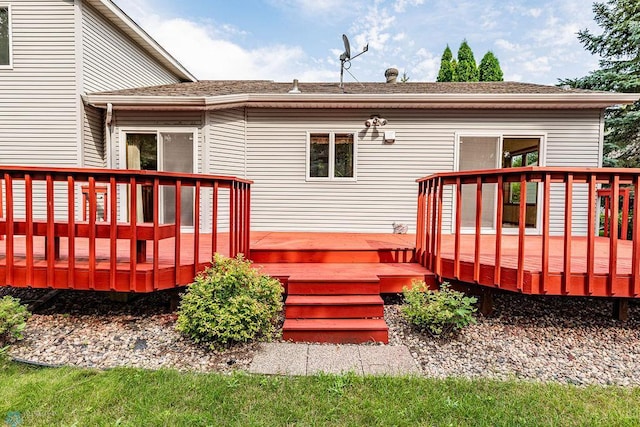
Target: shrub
<point>439,312</point>
<point>13,319</point>
<point>229,302</point>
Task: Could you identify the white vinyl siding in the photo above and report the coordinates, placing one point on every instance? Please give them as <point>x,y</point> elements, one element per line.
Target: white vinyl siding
<point>226,142</point>
<point>113,61</point>
<point>38,101</point>
<point>386,190</point>
<point>93,136</point>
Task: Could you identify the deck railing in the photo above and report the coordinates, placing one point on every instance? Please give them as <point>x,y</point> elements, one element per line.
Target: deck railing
<point>43,204</point>
<point>572,195</point>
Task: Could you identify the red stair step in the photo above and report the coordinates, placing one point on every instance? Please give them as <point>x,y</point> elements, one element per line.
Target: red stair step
<point>333,306</point>
<point>333,287</point>
<point>339,331</point>
<point>400,255</point>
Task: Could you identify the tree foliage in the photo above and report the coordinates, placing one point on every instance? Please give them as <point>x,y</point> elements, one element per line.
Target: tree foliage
<point>619,49</point>
<point>447,70</point>
<point>467,69</point>
<point>489,70</point>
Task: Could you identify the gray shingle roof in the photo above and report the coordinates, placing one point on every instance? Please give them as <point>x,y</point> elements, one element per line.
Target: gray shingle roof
<point>235,87</point>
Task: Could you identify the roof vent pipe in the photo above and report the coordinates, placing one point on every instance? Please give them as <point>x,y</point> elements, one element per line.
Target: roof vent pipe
<point>295,88</point>
<point>392,75</point>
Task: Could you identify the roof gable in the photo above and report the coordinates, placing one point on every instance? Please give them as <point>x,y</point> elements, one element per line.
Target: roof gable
<point>122,21</point>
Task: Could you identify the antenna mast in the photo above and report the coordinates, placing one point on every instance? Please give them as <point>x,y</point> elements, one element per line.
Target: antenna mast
<point>346,58</point>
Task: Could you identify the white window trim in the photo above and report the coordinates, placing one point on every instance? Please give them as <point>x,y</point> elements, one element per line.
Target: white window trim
<point>332,153</point>
<point>10,65</point>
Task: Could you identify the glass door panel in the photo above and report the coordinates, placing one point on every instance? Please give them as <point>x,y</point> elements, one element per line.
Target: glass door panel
<point>177,156</point>
<point>478,153</point>
<point>518,152</point>
<point>142,154</point>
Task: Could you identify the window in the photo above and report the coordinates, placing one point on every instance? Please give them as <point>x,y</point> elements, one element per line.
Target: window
<point>331,156</point>
<point>5,37</point>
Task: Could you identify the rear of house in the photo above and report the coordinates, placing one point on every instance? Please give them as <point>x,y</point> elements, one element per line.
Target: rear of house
<point>319,165</point>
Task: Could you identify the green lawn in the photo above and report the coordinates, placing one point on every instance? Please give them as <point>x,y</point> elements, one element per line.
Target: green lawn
<point>47,397</point>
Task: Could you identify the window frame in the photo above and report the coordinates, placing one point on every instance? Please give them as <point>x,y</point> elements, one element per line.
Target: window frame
<point>332,156</point>
<point>8,66</point>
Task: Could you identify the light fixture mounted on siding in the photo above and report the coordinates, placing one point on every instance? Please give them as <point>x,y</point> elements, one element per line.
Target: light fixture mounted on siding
<point>375,121</point>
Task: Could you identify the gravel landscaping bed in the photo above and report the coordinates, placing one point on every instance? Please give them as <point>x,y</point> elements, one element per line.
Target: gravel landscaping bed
<point>567,340</point>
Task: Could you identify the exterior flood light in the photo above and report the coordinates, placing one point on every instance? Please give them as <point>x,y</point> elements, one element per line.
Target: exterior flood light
<point>375,121</point>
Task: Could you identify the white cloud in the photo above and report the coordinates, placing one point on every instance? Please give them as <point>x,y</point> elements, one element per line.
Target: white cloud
<point>401,5</point>
<point>535,12</point>
<point>203,50</point>
<point>373,28</point>
<point>506,45</point>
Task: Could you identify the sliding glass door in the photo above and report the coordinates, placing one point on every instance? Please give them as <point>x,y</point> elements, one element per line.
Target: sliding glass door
<point>162,151</point>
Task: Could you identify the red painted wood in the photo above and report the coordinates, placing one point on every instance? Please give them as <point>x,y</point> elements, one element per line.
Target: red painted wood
<point>336,330</point>
<point>196,231</point>
<point>334,287</point>
<point>133,219</point>
<point>458,225</point>
<point>10,279</point>
<point>568,209</point>
<point>28,183</point>
<point>546,227</point>
<point>92,233</point>
<point>214,221</point>
<point>178,218</point>
<point>499,215</point>
<point>113,243</point>
<point>591,230</point>
<point>333,306</point>
<point>521,230</point>
<point>51,238</point>
<point>438,222</point>
<point>613,238</point>
<point>478,233</point>
<point>635,268</point>
<point>156,234</point>
<point>71,241</point>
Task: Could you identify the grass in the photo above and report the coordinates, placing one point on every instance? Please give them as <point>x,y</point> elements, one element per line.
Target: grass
<point>133,397</point>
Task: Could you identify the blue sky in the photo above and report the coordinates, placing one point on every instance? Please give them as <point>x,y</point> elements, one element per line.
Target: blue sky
<point>535,40</point>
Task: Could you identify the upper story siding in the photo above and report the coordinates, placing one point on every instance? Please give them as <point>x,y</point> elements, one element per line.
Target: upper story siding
<point>38,95</point>
<point>112,61</point>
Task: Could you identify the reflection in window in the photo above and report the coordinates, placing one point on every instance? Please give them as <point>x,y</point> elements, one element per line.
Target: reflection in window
<point>5,34</point>
<point>319,156</point>
<point>331,155</point>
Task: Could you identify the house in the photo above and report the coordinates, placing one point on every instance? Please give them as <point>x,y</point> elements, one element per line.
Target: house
<point>51,53</point>
<point>106,140</point>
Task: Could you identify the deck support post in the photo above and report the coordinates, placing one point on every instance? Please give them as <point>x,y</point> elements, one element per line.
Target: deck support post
<point>486,301</point>
<point>621,309</point>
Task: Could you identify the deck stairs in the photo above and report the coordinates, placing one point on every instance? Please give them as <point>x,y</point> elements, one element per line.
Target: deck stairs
<point>333,293</point>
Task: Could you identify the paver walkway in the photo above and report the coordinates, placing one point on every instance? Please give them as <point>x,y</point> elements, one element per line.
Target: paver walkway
<point>309,359</point>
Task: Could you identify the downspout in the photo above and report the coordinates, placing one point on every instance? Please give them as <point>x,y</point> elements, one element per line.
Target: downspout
<point>107,129</point>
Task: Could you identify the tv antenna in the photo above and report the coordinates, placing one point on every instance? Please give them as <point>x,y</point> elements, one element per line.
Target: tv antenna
<point>346,58</point>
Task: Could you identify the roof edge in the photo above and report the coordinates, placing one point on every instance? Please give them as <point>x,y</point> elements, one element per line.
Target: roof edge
<point>121,20</point>
<point>457,101</point>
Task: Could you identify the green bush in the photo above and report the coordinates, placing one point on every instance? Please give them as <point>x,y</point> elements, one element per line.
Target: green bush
<point>439,312</point>
<point>230,302</point>
<point>13,319</point>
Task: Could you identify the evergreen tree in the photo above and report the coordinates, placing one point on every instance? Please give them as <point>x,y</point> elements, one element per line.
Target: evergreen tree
<point>489,70</point>
<point>446,73</point>
<point>619,50</point>
<point>405,78</point>
<point>467,69</point>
